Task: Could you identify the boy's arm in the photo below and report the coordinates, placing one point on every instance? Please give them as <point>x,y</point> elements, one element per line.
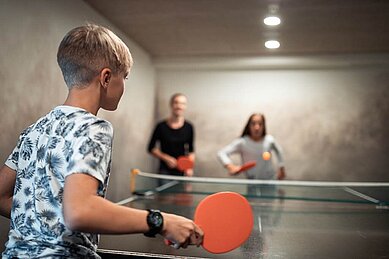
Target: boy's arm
<point>7,184</point>
<point>87,212</point>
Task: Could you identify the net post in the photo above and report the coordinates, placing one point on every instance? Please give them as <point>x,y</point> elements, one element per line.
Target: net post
<point>133,175</point>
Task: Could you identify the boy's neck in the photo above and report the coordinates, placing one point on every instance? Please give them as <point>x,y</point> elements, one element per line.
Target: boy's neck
<point>87,98</point>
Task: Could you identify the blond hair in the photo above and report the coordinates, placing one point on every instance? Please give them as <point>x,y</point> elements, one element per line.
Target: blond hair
<point>174,96</point>
<point>86,50</point>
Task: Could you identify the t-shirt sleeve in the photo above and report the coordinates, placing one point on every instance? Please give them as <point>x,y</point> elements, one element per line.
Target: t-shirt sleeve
<point>278,152</point>
<point>233,147</point>
<point>92,151</point>
<point>13,159</point>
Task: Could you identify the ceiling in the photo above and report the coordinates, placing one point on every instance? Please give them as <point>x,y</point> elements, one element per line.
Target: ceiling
<point>234,28</point>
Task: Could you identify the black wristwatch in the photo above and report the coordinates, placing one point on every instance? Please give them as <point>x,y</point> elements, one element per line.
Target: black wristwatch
<point>155,222</point>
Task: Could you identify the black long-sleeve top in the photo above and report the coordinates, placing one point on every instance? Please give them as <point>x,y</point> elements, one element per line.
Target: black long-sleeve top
<point>174,142</point>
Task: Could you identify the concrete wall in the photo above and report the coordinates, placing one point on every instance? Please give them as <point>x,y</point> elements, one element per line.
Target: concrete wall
<point>331,120</point>
<point>330,117</point>
<point>32,84</point>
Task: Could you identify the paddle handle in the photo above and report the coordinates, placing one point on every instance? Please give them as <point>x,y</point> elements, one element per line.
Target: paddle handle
<point>172,244</point>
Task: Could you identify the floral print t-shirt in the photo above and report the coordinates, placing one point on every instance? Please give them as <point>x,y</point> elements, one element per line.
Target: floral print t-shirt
<point>67,140</point>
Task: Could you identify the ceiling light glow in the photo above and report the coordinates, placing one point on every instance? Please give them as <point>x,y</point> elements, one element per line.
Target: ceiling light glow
<point>272,44</point>
<point>272,21</point>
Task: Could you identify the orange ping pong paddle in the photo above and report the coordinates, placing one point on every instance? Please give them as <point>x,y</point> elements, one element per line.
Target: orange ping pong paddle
<point>226,219</point>
<point>246,166</point>
<point>184,163</point>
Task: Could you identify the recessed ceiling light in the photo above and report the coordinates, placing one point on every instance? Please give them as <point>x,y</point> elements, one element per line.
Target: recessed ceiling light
<point>272,20</point>
<point>272,44</point>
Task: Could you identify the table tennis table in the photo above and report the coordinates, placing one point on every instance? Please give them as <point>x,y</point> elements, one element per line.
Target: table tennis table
<point>289,221</point>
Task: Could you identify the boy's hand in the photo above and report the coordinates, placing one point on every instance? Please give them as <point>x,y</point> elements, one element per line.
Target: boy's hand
<point>181,231</point>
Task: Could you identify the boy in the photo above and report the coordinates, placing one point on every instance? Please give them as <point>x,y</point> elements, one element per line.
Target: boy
<point>52,186</point>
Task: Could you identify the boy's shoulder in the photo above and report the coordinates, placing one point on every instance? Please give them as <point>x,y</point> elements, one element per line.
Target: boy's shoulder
<point>82,119</point>
<point>72,113</point>
<point>62,120</point>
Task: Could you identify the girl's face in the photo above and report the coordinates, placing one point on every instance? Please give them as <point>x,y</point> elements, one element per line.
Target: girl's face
<point>256,127</point>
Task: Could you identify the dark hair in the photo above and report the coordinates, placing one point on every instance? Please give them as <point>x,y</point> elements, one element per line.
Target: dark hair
<point>246,130</point>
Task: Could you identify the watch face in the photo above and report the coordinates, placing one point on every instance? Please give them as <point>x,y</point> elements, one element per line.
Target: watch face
<point>155,222</point>
<point>156,219</point>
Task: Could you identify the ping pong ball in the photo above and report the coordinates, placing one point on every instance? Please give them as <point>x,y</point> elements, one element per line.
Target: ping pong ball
<point>266,155</point>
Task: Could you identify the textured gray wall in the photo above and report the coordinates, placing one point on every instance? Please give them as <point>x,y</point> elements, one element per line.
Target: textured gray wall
<point>32,84</point>
<point>332,123</point>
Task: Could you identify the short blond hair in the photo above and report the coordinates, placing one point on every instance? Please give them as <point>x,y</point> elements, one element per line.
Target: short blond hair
<point>174,96</point>
<point>86,50</point>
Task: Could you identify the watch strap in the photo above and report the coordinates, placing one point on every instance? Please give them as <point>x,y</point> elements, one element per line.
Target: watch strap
<point>155,222</point>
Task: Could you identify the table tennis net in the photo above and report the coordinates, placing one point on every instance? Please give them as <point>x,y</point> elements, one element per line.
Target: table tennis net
<point>376,193</point>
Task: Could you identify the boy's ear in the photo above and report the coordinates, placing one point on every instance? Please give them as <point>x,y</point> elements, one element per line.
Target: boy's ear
<point>105,77</point>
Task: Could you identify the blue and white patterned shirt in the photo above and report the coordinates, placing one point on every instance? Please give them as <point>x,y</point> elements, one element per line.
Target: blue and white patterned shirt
<point>67,140</point>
